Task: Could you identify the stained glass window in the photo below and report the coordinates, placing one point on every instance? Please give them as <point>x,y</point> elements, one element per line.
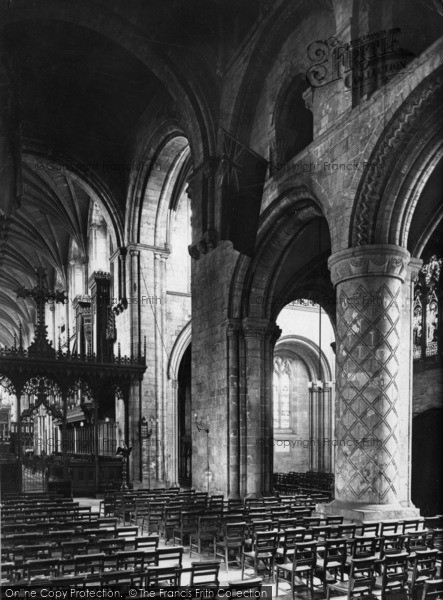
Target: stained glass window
<point>426,309</point>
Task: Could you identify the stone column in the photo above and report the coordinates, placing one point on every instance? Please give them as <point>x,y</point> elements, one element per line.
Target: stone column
<point>160,368</point>
<point>373,407</point>
<point>232,333</point>
<point>256,418</point>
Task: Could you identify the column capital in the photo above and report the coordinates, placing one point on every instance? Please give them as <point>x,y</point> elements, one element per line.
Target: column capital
<point>260,328</point>
<point>232,326</point>
<point>255,327</point>
<point>371,260</point>
<point>415,265</point>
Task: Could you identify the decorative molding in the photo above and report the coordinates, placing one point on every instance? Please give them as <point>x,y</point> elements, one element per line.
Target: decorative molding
<point>386,153</point>
<point>369,261</point>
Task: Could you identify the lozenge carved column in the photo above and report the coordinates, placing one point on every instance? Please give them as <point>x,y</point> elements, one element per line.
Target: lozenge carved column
<point>373,407</point>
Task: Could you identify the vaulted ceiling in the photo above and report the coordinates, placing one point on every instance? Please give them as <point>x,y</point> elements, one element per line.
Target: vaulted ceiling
<point>74,100</point>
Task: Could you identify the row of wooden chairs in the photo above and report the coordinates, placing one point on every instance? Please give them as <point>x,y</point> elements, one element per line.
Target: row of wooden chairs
<point>48,568</point>
<point>330,561</point>
<point>201,578</point>
<point>82,545</point>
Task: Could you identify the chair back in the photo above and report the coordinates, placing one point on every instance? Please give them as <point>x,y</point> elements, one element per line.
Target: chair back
<point>416,541</point>
<point>172,555</point>
<point>433,590</point>
<point>361,578</point>
<point>207,525</point>
<point>391,544</point>
<point>335,553</point>
<point>305,554</point>
<point>265,542</point>
<point>370,528</point>
<point>424,566</point>
<point>149,542</point>
<point>205,574</point>
<point>364,546</point>
<point>395,573</point>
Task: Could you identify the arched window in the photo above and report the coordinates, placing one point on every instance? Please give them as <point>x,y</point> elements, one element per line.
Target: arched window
<point>293,122</point>
<point>282,393</point>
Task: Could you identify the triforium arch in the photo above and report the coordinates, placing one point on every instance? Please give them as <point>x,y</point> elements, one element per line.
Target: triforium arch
<point>257,294</point>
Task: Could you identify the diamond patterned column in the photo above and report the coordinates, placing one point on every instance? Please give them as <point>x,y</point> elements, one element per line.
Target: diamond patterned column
<point>369,469</point>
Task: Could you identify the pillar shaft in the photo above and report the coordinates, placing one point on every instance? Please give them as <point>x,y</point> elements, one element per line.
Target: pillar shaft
<point>372,416</point>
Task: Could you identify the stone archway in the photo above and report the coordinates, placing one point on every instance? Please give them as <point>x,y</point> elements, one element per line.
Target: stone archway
<point>291,252</point>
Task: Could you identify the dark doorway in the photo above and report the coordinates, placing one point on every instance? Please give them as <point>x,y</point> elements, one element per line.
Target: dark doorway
<point>427,446</point>
<point>184,420</point>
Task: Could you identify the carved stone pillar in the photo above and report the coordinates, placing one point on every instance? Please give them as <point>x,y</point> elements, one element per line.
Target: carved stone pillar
<point>373,356</point>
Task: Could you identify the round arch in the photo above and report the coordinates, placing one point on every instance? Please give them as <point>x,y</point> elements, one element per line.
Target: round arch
<point>308,351</point>
<point>407,153</point>
<point>255,289</point>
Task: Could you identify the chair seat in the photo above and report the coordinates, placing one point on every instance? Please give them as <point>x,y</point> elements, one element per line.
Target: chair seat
<point>260,556</point>
<point>331,565</point>
<point>288,568</point>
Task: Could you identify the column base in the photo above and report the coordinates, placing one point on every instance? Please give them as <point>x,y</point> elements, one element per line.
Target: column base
<point>360,511</point>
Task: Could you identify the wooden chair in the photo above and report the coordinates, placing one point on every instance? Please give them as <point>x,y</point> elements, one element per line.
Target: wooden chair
<point>361,581</point>
<point>45,568</point>
<point>389,544</point>
<point>162,576</point>
<point>424,567</point>
<point>331,561</point>
<point>152,522</point>
<point>111,546</point>
<point>394,578</point>
<point>433,590</point>
<point>303,564</point>
<point>287,543</point>
<point>74,547</point>
<point>264,550</point>
<point>188,525</point>
<point>415,541</point>
<point>362,547</point>
<point>133,560</point>
<point>89,563</point>
<point>207,528</point>
<point>230,539</point>
<point>167,557</point>
<point>170,521</point>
